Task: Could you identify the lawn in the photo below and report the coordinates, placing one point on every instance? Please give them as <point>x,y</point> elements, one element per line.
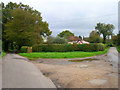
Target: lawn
<point>3,54</point>
<point>75,54</point>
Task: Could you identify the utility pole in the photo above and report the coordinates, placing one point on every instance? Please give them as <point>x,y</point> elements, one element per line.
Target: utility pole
<point>37,36</point>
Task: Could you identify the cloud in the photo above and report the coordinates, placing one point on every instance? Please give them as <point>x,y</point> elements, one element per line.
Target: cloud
<point>80,16</point>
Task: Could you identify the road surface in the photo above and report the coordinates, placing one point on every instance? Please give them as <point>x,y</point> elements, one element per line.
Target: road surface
<point>19,73</point>
<point>113,56</point>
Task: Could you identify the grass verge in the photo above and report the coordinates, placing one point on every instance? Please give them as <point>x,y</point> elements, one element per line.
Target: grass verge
<point>59,55</point>
<point>3,54</point>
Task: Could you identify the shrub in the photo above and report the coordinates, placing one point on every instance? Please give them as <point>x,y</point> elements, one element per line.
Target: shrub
<point>110,44</point>
<point>118,48</point>
<point>23,49</point>
<point>101,47</point>
<point>34,48</point>
<point>69,47</point>
<point>60,40</point>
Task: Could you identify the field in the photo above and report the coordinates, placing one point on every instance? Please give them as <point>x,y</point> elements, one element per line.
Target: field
<point>75,54</point>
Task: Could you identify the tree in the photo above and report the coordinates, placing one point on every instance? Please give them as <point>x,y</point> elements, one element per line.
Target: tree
<point>115,39</point>
<point>118,39</point>
<point>8,20</point>
<point>80,37</point>
<point>66,34</point>
<point>50,39</point>
<point>21,29</point>
<point>59,40</point>
<point>105,29</point>
<point>94,37</point>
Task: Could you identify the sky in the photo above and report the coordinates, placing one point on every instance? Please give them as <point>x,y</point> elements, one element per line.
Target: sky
<point>78,16</point>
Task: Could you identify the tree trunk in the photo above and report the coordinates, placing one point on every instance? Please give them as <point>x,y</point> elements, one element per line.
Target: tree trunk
<point>19,47</point>
<point>5,46</point>
<point>12,46</point>
<point>104,39</point>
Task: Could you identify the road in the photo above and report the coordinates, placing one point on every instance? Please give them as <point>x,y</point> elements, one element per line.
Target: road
<point>113,56</point>
<point>19,73</point>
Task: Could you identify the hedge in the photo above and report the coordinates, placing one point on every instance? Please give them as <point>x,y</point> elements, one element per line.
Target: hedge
<point>118,48</point>
<point>23,49</point>
<point>69,47</point>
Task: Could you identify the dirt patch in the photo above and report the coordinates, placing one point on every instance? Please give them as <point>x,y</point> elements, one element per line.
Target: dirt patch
<point>97,81</point>
<point>88,59</point>
<point>80,74</point>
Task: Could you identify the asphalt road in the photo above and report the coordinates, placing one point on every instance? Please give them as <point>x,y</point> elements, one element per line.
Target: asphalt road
<point>17,72</point>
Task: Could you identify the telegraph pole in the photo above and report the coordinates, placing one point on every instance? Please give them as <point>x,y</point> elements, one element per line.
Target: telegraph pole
<point>37,36</point>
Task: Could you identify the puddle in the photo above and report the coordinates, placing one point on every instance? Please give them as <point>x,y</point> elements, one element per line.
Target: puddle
<point>111,75</point>
<point>82,66</point>
<point>89,59</point>
<point>65,62</point>
<point>98,81</point>
<point>58,62</point>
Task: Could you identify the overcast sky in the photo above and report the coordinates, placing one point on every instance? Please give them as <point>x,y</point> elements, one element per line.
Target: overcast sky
<point>78,16</point>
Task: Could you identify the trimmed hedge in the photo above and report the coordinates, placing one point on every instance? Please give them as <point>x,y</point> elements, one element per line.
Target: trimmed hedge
<point>24,49</point>
<point>69,47</point>
<point>118,48</point>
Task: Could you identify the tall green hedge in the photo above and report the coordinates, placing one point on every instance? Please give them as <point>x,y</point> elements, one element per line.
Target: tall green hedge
<point>118,48</point>
<point>23,49</point>
<point>69,47</point>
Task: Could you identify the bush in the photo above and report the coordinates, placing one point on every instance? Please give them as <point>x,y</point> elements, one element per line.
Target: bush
<point>59,40</point>
<point>110,44</point>
<point>118,48</point>
<point>34,48</point>
<point>23,49</point>
<point>101,46</point>
<point>69,47</point>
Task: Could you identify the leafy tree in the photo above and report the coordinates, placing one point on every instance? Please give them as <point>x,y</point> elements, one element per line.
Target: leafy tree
<point>94,37</point>
<point>21,28</point>
<point>105,29</point>
<point>50,39</point>
<point>12,23</point>
<point>80,37</point>
<point>59,40</point>
<point>115,39</point>
<point>66,34</point>
<point>118,39</point>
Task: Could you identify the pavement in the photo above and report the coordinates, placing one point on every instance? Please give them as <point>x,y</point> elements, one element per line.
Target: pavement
<point>18,72</point>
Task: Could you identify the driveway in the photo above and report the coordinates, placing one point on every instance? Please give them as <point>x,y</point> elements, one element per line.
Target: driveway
<point>19,73</point>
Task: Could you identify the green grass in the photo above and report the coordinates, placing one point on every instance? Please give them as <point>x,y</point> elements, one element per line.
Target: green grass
<point>118,48</point>
<point>3,54</point>
<point>59,55</point>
